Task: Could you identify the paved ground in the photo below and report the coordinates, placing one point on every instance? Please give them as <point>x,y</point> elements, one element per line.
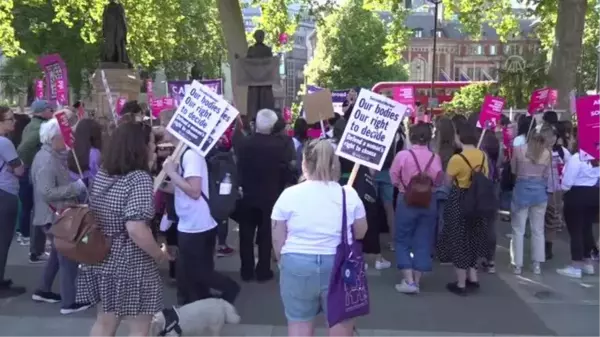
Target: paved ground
<point>507,304</point>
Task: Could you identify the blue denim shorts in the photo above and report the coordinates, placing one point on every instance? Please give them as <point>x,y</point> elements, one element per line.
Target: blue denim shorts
<point>304,283</point>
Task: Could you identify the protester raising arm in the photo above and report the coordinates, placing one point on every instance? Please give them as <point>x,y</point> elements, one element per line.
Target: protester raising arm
<point>190,180</point>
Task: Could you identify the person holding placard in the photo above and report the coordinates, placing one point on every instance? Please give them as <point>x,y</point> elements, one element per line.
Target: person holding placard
<point>580,184</point>
<point>54,190</point>
<point>463,241</point>
<point>531,165</point>
<point>415,217</point>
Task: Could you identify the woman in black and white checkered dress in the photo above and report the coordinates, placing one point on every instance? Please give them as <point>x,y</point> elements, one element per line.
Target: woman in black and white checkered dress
<point>127,282</point>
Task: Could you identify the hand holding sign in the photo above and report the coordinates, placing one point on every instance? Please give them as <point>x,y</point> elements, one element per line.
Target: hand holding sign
<point>370,130</point>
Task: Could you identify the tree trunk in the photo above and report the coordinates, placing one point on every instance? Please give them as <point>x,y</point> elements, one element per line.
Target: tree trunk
<point>234,32</point>
<point>567,49</point>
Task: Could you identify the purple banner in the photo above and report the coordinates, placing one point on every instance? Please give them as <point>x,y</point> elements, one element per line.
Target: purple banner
<point>177,89</point>
<point>54,68</point>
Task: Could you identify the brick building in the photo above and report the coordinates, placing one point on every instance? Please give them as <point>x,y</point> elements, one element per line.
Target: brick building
<point>459,58</point>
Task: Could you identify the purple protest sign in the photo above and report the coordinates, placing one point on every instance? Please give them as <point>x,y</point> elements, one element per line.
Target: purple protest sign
<point>177,89</point>
<point>54,68</point>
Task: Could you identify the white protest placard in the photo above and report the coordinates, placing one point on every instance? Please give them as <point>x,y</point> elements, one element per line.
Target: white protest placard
<point>371,129</point>
<point>228,115</point>
<point>197,116</point>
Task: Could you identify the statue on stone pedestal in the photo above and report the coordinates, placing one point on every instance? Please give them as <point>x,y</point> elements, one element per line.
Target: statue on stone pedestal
<point>259,97</point>
<point>114,32</point>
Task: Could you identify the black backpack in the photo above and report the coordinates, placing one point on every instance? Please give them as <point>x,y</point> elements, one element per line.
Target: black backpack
<point>219,164</point>
<point>480,200</point>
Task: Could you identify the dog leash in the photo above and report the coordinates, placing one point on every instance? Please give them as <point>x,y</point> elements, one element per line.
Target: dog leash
<point>171,322</point>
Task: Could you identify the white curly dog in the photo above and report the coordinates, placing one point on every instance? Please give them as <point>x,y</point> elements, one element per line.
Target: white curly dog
<point>194,319</point>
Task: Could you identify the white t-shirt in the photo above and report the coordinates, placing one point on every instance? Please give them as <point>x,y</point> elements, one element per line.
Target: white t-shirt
<point>194,215</point>
<point>313,213</point>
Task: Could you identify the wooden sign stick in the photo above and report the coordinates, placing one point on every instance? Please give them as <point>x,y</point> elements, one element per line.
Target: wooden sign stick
<point>481,138</point>
<point>353,175</point>
<point>175,157</point>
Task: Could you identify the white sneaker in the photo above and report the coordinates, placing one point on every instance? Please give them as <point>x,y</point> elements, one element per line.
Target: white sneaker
<point>406,288</point>
<point>382,264</point>
<point>517,270</point>
<point>570,271</point>
<point>588,269</point>
<point>537,269</point>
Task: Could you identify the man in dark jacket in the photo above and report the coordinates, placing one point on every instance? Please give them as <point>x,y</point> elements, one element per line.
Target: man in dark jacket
<point>265,164</point>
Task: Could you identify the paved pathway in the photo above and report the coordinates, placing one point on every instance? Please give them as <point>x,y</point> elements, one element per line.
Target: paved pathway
<point>507,304</point>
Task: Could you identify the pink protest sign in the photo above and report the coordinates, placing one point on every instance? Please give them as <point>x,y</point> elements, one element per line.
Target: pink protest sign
<point>588,126</point>
<point>39,89</point>
<point>287,115</point>
<point>120,104</point>
<point>168,103</point>
<point>552,98</point>
<point>157,107</point>
<point>406,95</point>
<point>65,128</point>
<point>54,68</point>
<point>61,94</point>
<point>491,112</point>
<point>538,101</point>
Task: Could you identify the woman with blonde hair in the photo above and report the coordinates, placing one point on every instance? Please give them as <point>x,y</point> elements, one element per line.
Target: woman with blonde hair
<point>307,222</point>
<point>531,165</point>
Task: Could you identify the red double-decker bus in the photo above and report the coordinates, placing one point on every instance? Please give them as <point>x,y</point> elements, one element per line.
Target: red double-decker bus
<point>444,91</point>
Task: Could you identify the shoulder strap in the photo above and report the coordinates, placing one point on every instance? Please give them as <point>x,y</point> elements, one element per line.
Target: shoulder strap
<point>466,161</point>
<point>416,161</point>
<point>430,162</point>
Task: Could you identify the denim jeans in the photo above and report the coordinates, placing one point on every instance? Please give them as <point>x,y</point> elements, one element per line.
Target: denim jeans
<point>415,231</point>
<point>26,197</point>
<point>68,276</point>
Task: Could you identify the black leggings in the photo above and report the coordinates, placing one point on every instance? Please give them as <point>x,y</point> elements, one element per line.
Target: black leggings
<point>581,208</point>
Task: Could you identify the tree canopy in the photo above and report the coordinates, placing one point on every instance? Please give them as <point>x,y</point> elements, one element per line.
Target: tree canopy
<point>352,49</point>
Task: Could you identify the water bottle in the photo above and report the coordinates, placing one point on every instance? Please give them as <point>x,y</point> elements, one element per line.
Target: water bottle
<point>225,185</point>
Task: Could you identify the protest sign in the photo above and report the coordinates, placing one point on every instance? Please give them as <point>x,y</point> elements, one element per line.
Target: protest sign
<point>538,101</point>
<point>405,94</point>
<point>197,116</point>
<point>287,115</point>
<point>491,112</point>
<point>552,98</point>
<point>120,104</point>
<point>317,106</point>
<point>54,68</point>
<point>228,115</point>
<point>157,107</point>
<point>338,97</point>
<point>177,89</point>
<point>588,127</point>
<point>61,95</point>
<point>371,129</point>
<point>65,128</point>
<point>39,89</point>
<point>168,103</point>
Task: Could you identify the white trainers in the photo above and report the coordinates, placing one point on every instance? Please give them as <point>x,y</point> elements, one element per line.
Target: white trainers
<point>382,264</point>
<point>517,270</point>
<point>588,269</point>
<point>537,269</point>
<point>570,271</point>
<point>407,288</point>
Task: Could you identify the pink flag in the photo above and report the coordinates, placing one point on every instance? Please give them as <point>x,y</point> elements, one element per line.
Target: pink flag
<point>39,89</point>
<point>120,104</point>
<point>61,94</point>
<point>406,95</point>
<point>538,101</point>
<point>588,126</point>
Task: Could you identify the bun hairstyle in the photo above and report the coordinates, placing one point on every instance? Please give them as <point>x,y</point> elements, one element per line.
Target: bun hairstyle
<point>420,133</point>
<point>320,162</point>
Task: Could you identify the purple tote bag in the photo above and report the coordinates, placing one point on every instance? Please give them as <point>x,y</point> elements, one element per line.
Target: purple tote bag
<point>348,295</point>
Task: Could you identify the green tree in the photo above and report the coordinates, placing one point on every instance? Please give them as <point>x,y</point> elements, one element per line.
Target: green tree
<point>351,50</point>
<point>468,99</point>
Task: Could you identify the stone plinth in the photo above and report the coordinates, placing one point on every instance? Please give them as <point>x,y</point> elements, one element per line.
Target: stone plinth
<point>122,82</point>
